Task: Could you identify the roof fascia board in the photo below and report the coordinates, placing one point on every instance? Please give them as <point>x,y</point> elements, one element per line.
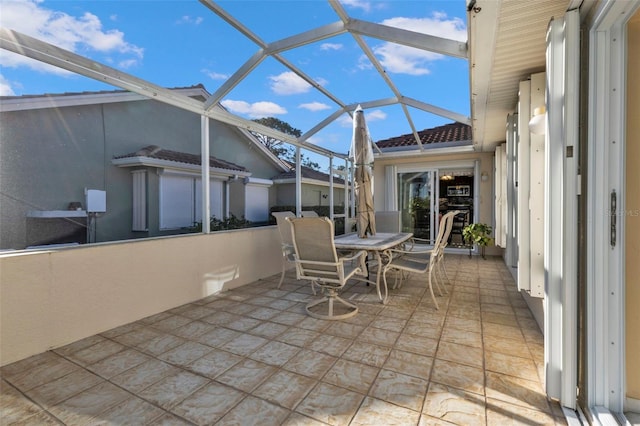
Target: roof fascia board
<point>21,103</point>
<point>174,165</point>
<point>414,39</point>
<point>436,110</point>
<point>53,55</point>
<point>388,153</point>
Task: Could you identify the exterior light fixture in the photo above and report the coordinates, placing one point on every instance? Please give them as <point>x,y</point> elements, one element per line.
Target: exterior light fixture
<point>537,123</point>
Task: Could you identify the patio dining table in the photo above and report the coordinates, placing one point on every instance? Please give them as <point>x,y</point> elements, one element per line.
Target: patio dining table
<point>376,245</point>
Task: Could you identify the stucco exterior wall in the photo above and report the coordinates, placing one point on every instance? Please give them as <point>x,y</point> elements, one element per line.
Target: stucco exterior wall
<point>52,298</point>
<point>632,218</point>
<point>49,156</point>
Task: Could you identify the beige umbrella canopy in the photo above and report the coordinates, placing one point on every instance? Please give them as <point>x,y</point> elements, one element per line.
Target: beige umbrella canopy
<point>362,155</point>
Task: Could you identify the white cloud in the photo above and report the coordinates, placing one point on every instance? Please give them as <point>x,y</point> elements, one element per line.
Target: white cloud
<point>215,75</point>
<point>331,46</point>
<point>314,106</point>
<point>67,32</point>
<point>186,19</point>
<point>254,110</point>
<point>408,60</point>
<point>5,87</point>
<point>288,83</point>
<point>357,4</point>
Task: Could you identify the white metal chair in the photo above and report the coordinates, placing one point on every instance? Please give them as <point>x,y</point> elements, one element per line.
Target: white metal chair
<point>309,213</point>
<point>421,261</point>
<point>287,240</point>
<point>317,261</point>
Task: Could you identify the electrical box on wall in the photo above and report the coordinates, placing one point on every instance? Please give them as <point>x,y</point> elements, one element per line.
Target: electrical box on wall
<point>96,201</point>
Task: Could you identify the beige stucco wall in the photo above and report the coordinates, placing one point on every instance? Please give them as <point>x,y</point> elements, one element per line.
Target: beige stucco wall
<point>632,216</point>
<point>52,298</point>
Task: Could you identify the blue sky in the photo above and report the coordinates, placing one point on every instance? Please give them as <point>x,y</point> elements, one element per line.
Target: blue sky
<point>183,43</point>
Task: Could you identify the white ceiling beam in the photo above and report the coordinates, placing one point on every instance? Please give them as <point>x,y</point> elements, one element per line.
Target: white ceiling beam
<point>436,110</point>
<point>414,39</point>
<point>322,124</point>
<point>215,8</point>
<point>235,79</point>
<point>306,37</point>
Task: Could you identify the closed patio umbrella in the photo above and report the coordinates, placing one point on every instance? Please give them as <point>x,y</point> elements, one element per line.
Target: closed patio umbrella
<point>362,155</point>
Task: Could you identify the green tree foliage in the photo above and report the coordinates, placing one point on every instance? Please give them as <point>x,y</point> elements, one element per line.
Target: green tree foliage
<point>278,147</point>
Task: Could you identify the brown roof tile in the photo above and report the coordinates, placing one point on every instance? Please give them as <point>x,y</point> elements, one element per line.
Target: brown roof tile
<point>154,151</point>
<point>454,132</point>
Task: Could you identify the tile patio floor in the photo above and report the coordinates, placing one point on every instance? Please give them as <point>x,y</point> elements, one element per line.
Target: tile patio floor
<point>250,356</point>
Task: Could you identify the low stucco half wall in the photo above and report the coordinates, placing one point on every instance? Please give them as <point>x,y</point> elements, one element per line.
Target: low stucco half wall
<point>51,298</point>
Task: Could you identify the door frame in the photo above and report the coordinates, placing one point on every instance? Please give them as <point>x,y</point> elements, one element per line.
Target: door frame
<point>605,286</point>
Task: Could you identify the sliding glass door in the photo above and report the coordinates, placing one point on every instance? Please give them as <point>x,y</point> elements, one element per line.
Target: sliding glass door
<point>425,194</point>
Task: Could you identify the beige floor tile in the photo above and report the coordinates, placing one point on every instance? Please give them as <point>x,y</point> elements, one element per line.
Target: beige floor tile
<point>416,344</point>
<point>470,379</point>
<point>86,406</point>
<point>80,344</point>
<point>51,369</point>
<point>208,404</point>
<point>285,388</point>
<point>390,324</point>
<point>466,338</point>
<point>516,391</point>
<point>244,344</point>
<point>118,363</point>
<point>96,352</point>
<point>297,419</point>
<point>288,318</point>
<point>144,375</point>
<point>275,353</point>
<point>511,365</point>
<point>185,353</point>
<point>192,330</point>
<point>243,323</point>
<point>137,336</point>
<point>298,336</point>
<point>255,412</point>
<point>499,318</point>
<point>453,405</point>
<point>55,392</point>
<point>160,344</point>
<point>171,323</point>
<point>214,363</point>
<point>351,375</point>
<point>502,331</point>
<point>330,345</point>
<point>461,354</point>
<point>346,330</point>
<point>14,407</point>
<point>132,409</point>
<point>376,412</point>
<point>331,404</point>
<point>506,346</point>
<point>173,389</point>
<point>502,413</point>
<point>400,389</point>
<point>367,353</point>
<point>463,324</point>
<point>310,363</point>
<point>409,363</point>
<point>246,375</point>
<point>218,337</point>
<point>268,330</point>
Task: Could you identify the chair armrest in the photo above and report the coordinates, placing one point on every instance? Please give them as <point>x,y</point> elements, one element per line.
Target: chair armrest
<point>353,256</point>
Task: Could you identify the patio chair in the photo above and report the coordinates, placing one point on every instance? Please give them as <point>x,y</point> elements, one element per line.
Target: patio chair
<point>317,261</point>
<point>309,213</point>
<point>287,241</point>
<point>421,261</point>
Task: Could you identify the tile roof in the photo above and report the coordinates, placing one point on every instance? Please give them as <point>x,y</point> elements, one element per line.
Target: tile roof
<point>308,173</point>
<point>454,132</point>
<point>154,151</point>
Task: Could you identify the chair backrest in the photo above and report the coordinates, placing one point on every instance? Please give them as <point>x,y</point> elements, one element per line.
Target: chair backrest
<point>309,213</point>
<point>388,221</point>
<point>313,242</point>
<point>447,224</point>
<point>283,226</point>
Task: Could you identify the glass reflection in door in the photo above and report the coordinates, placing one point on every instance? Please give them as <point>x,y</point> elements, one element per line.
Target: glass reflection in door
<point>416,195</point>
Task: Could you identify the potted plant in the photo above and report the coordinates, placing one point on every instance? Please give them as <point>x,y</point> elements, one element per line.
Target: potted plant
<point>477,233</point>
